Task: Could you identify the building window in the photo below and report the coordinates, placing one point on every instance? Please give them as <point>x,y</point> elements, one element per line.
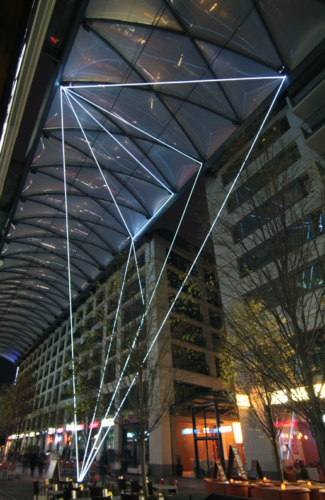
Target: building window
<point>190,360</point>
<point>287,197</point>
<point>186,332</point>
<point>186,307</point>
<point>180,263</point>
<point>282,161</point>
<point>268,138</point>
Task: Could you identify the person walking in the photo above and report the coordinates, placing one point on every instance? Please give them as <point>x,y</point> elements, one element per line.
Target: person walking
<point>103,466</point>
<point>41,460</point>
<point>33,463</point>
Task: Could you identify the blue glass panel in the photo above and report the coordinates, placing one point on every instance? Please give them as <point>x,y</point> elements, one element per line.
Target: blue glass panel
<point>88,115</point>
<point>170,57</point>
<point>92,60</point>
<point>152,196</point>
<point>297,29</point>
<point>211,96</point>
<point>127,40</point>
<point>49,151</point>
<point>253,39</point>
<point>213,20</point>
<point>139,11</point>
<point>208,130</point>
<point>177,168</point>
<point>245,96</point>
<point>176,137</point>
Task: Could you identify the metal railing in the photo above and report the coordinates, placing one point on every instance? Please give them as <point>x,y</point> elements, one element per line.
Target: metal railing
<point>314,122</point>
<point>301,94</point>
<point>320,163</point>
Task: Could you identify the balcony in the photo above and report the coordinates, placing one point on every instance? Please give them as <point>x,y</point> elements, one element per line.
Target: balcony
<point>320,163</point>
<point>308,99</point>
<point>313,130</point>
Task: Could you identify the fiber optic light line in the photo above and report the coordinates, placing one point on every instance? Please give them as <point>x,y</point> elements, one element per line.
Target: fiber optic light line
<point>94,451</point>
<point>69,285</point>
<point>146,84</point>
<point>152,296</point>
<point>109,347</point>
<point>93,155</point>
<point>200,250</point>
<point>138,272</point>
<point>133,126</point>
<point>215,220</point>
<point>122,146</point>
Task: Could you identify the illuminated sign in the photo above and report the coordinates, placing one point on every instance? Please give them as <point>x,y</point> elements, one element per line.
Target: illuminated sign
<point>107,422</point>
<point>187,431</point>
<point>93,425</point>
<point>59,430</point>
<point>51,430</point>
<point>71,427</point>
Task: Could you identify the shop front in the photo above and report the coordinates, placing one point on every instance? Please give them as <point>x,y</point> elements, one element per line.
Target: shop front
<point>204,435</point>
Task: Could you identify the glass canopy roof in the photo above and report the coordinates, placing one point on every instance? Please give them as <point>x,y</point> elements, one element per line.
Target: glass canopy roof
<point>129,149</point>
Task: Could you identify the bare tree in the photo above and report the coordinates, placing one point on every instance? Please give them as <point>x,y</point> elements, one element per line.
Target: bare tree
<point>269,247</point>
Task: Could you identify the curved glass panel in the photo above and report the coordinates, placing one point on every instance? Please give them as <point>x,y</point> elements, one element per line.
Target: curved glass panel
<point>213,20</point>
<point>138,11</point>
<point>253,40</point>
<point>171,58</point>
<point>297,38</point>
<point>178,168</point>
<point>127,40</point>
<point>92,60</point>
<point>208,131</point>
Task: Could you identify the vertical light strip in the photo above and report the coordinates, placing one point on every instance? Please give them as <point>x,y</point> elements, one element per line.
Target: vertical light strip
<point>17,370</point>
<point>94,157</point>
<point>109,348</point>
<point>69,284</point>
<point>122,146</point>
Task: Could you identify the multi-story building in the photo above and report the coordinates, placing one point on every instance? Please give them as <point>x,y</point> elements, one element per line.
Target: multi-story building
<point>192,330</point>
<point>276,205</point>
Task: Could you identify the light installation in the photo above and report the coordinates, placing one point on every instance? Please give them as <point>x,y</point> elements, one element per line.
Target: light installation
<point>67,93</point>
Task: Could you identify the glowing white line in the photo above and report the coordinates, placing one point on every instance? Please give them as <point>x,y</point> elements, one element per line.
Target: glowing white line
<point>104,179</point>
<point>101,428</point>
<point>109,346</point>
<point>195,260</point>
<point>135,237</point>
<point>137,128</point>
<point>122,146</point>
<point>69,281</point>
<point>151,298</point>
<point>138,272</point>
<point>145,84</point>
<point>215,220</point>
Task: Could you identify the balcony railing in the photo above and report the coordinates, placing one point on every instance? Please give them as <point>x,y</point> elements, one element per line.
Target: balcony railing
<point>320,162</point>
<point>314,122</point>
<point>308,88</point>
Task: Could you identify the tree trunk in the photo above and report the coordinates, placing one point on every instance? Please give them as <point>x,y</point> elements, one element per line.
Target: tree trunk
<point>143,467</point>
<point>318,432</point>
<point>278,459</point>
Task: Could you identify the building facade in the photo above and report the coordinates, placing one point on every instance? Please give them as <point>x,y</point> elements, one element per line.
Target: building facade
<point>191,333</point>
<point>273,224</point>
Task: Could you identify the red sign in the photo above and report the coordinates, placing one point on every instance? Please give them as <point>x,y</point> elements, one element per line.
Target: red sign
<point>93,425</point>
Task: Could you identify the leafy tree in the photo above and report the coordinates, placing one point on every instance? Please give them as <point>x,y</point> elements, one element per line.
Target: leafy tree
<point>15,406</point>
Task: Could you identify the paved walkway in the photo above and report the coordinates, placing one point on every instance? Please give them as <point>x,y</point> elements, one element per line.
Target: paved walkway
<point>21,488</point>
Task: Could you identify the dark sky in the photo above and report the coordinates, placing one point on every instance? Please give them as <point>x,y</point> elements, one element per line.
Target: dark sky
<point>7,371</point>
